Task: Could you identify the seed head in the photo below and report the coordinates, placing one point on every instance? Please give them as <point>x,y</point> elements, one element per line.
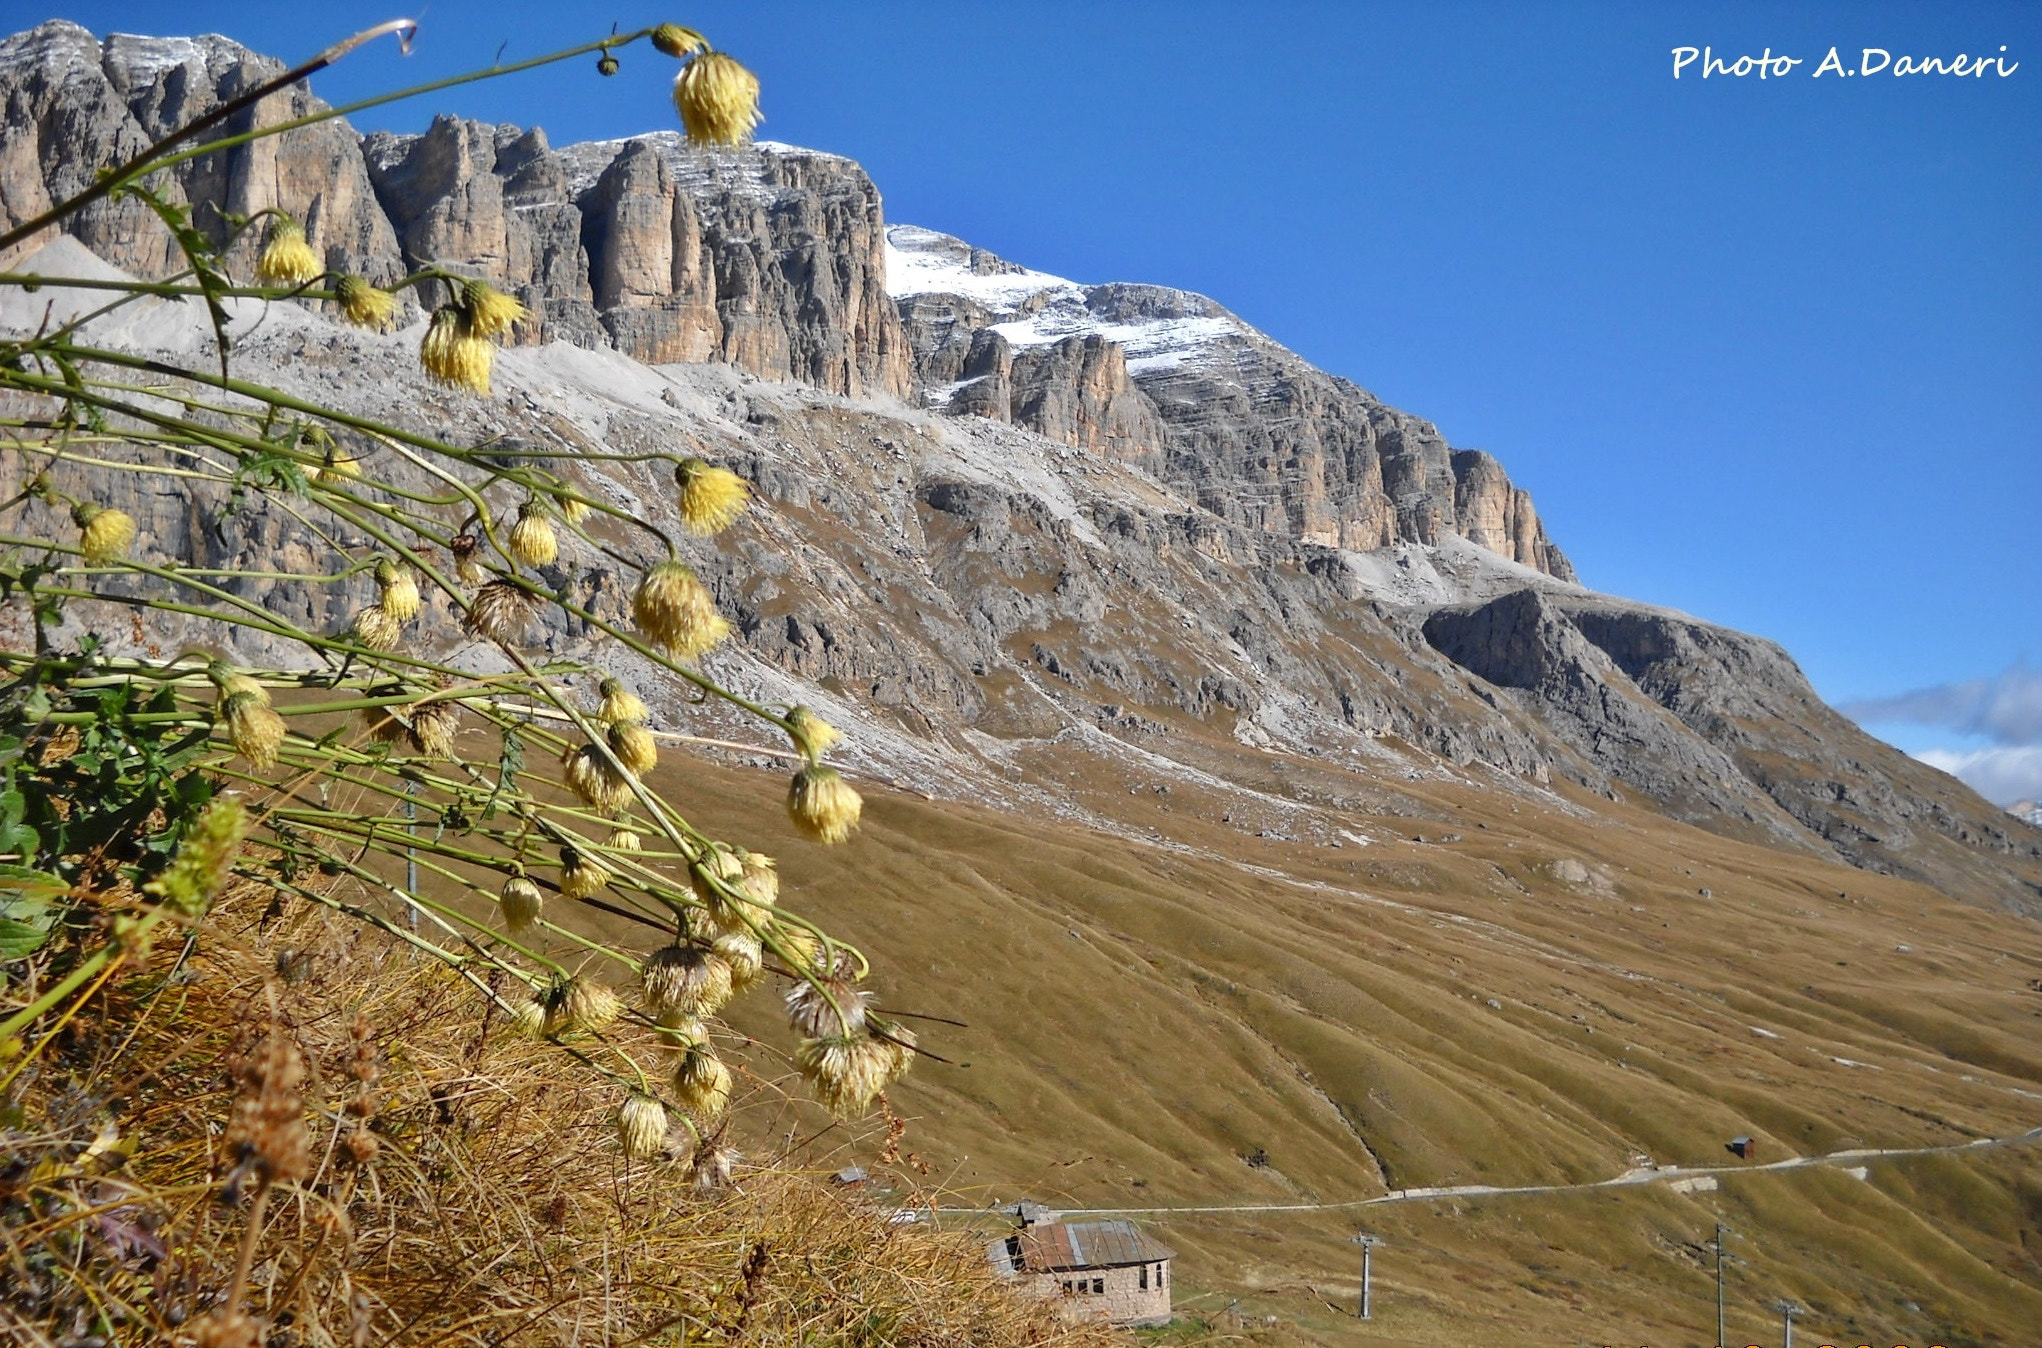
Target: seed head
<point>845,1071</point>
<point>467,561</point>
<point>383,727</point>
<point>718,100</point>
<point>399,588</point>
<point>228,1328</point>
<point>829,1007</point>
<point>641,1127</point>
<point>530,1019</point>
<point>677,611</point>
<point>710,1168</point>
<point>812,735</point>
<point>103,535</point>
<point>624,840</point>
<point>684,979</point>
<point>532,540</point>
<point>491,313</point>
<point>502,611</point>
<point>711,497</point>
<point>620,703</point>
<point>198,870</point>
<point>452,354</point>
<point>678,1029</point>
<point>255,729</point>
<point>677,41</point>
<point>741,951</point>
<point>374,628</point>
<point>701,1082</point>
<point>287,260</point>
<point>267,1134</point>
<point>433,727</point>
<point>581,877</point>
<point>363,304</point>
<point>606,65</point>
<point>822,804</point>
<point>717,863</point>
<point>600,783</point>
<point>520,903</point>
<point>633,746</point>
<point>591,1006</point>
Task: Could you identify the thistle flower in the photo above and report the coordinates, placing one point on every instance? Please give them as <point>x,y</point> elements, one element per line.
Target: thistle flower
<point>364,305</point>
<point>399,589</point>
<point>467,560</point>
<point>812,735</point>
<point>532,540</point>
<point>717,863</point>
<point>676,610</point>
<point>591,1006</point>
<point>520,903</point>
<point>433,727</point>
<point>900,1045</point>
<point>711,497</point>
<point>287,260</point>
<point>822,804</point>
<point>685,979</point>
<point>633,746</point>
<point>230,681</point>
<point>452,354</point>
<point>624,840</point>
<point>797,946</point>
<point>828,1007</point>
<point>620,704</point>
<point>747,908</point>
<point>491,313</point>
<point>198,870</point>
<point>679,1030</point>
<point>103,535</point>
<point>846,1071</point>
<point>600,783</point>
<point>256,731</point>
<point>337,468</point>
<point>383,726</point>
<point>677,41</point>
<point>374,628</point>
<point>641,1127</point>
<point>710,1168</point>
<point>502,611</point>
<point>529,1018</point>
<point>718,100</point>
<point>581,877</point>
<point>742,953</point>
<point>701,1082</point>
<point>572,508</point>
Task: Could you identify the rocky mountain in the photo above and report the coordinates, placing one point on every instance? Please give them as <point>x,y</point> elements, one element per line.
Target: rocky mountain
<point>1003,514</point>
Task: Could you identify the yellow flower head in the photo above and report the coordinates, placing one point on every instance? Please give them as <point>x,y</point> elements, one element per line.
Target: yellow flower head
<point>399,590</point>
<point>750,887</point>
<point>633,746</point>
<point>467,549</point>
<point>287,260</point>
<point>677,41</point>
<point>521,903</point>
<point>375,628</point>
<point>846,1071</point>
<point>337,468</point>
<point>502,611</point>
<point>573,509</point>
<point>590,774</point>
<point>641,1127</point>
<point>451,352</point>
<point>718,100</point>
<point>581,877</point>
<point>822,804</point>
<point>253,726</point>
<point>103,535</point>
<point>620,704</point>
<point>745,958</point>
<point>230,681</point>
<point>711,497</point>
<point>812,735</point>
<point>364,305</point>
<point>677,611</point>
<point>795,945</point>
<point>677,1030</point>
<point>701,1082</point>
<point>383,727</point>
<point>591,1006</point>
<point>624,840</point>
<point>682,978</point>
<point>532,539</point>
<point>433,727</point>
<point>491,313</point>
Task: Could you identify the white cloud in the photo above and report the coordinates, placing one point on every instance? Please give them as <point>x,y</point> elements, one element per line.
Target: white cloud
<point>2006,708</point>
<point>2002,775</point>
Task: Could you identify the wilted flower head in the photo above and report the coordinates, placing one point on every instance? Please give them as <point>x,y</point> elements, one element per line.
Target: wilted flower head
<point>532,539</point>
<point>742,952</point>
<point>591,1006</point>
<point>632,743</point>
<point>675,40</point>
<point>641,1126</point>
<point>717,863</point>
<point>399,589</point>
<point>362,304</point>
<point>374,628</point>
<point>433,727</point>
<point>796,945</point>
<point>846,1071</point>
<point>255,729</point>
<point>491,313</point>
<point>701,1082</point>
<point>711,497</point>
<point>581,877</point>
<point>521,903</point>
<point>899,1041</point>
<point>620,703</point>
<point>287,260</point>
<point>812,735</point>
<point>711,1167</point>
<point>684,979</point>
<point>467,550</point>
<point>451,352</point>
<point>531,1019</point>
<point>718,100</point>
<point>829,1006</point>
<point>599,782</point>
<point>104,535</point>
<point>677,611</point>
<point>822,804</point>
<point>502,611</point>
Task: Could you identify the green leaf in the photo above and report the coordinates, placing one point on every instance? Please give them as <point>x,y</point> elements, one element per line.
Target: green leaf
<point>19,940</point>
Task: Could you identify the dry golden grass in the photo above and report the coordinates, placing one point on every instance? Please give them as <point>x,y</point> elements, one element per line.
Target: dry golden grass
<point>497,1207</point>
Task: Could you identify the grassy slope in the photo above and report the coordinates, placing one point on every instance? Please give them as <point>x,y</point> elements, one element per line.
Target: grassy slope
<point>1143,1013</point>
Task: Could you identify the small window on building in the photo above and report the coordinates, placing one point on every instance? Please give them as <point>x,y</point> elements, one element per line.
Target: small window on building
<point>1067,1286</point>
<point>1145,1277</point>
<point>1099,1284</point>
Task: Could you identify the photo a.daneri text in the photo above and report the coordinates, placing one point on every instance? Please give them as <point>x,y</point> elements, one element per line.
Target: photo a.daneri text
<point>1871,61</point>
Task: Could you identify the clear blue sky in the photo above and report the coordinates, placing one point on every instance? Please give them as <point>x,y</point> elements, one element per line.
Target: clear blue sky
<point>1766,351</point>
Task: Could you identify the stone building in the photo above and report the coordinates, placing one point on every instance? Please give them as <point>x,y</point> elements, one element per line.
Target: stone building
<point>1099,1270</point>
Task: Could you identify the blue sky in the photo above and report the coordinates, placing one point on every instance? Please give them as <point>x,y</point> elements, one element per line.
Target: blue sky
<point>1766,351</point>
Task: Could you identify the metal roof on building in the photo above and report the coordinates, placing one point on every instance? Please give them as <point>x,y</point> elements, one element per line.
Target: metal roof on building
<point>1056,1246</point>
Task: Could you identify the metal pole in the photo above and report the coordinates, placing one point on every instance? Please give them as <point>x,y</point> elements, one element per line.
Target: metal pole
<point>1788,1310</point>
<point>1368,1244</point>
<point>1720,1337</point>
